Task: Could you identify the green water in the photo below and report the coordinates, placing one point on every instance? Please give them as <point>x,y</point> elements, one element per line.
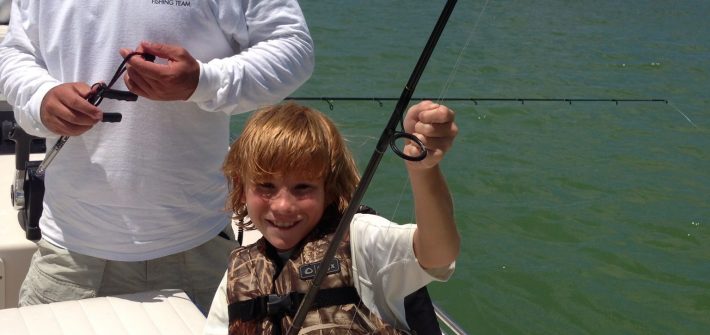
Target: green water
<point>589,218</point>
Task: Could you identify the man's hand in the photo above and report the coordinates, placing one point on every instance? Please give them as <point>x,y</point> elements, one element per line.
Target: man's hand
<point>65,110</point>
<point>176,80</point>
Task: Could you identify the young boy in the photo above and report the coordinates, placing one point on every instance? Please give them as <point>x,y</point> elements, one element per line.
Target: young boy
<point>291,176</point>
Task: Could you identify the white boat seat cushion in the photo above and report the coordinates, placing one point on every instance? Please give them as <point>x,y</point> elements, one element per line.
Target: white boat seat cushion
<point>156,312</point>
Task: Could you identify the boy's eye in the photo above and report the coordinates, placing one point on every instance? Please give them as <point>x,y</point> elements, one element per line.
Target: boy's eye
<point>303,188</point>
<point>270,189</point>
<point>307,190</point>
<point>265,188</point>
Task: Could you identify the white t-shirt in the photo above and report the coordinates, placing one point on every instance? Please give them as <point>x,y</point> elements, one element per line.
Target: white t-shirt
<point>152,184</point>
<point>384,267</point>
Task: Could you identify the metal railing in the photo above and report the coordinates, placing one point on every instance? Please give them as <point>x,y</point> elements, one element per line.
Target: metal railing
<point>449,325</point>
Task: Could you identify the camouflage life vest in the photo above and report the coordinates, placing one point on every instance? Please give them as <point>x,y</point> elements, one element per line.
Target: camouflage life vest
<point>264,294</point>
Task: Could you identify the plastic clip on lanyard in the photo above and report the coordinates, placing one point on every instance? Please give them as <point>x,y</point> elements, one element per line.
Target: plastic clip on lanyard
<point>102,91</point>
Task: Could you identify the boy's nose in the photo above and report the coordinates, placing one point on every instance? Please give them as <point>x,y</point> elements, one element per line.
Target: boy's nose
<point>282,201</point>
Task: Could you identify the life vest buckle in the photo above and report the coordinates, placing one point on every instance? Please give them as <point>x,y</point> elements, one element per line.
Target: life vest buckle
<point>282,304</point>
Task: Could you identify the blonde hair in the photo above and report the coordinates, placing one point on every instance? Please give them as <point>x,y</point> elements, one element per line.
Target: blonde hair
<point>290,138</point>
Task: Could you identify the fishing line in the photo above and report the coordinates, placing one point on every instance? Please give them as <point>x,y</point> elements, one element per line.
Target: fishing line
<point>402,192</point>
<point>444,91</point>
<point>683,114</point>
<point>406,186</point>
<point>454,70</point>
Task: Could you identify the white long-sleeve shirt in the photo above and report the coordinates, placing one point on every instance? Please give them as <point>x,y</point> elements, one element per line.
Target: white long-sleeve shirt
<point>150,185</point>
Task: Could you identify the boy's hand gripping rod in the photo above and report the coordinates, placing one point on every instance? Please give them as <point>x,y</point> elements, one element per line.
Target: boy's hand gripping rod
<point>102,91</point>
<point>389,135</point>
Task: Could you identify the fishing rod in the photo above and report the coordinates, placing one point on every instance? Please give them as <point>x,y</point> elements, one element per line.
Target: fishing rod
<point>389,136</point>
<point>522,101</point>
<point>476,100</point>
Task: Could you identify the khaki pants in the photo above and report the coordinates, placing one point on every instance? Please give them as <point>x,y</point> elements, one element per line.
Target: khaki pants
<point>57,274</point>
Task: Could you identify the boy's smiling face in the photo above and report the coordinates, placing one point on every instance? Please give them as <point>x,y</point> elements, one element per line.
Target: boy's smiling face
<point>285,208</point>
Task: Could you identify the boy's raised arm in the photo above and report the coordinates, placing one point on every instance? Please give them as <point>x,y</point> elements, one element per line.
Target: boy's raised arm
<point>436,240</point>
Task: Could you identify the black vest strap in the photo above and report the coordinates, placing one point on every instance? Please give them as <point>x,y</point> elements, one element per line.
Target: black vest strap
<point>420,314</point>
<point>274,304</point>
